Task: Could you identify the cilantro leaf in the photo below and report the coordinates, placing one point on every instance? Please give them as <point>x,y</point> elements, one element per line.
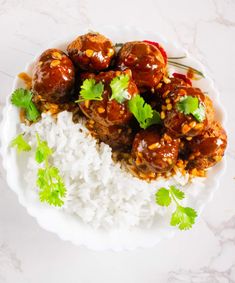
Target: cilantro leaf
<point>177,193</point>
<point>143,112</point>
<point>51,186</point>
<point>32,113</point>
<point>183,217</point>
<point>190,105</point>
<point>119,87</point>
<point>49,181</point>
<point>20,143</point>
<point>23,98</point>
<point>43,151</point>
<point>156,119</point>
<point>200,113</point>
<point>163,197</point>
<point>90,90</point>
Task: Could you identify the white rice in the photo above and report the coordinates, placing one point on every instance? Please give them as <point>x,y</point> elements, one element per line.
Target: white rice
<point>99,191</point>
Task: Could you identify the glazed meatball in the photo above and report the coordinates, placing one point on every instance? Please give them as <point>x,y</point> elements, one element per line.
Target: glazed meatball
<point>118,137</point>
<point>108,112</point>
<point>156,98</point>
<point>91,52</point>
<point>207,149</point>
<point>53,77</point>
<point>153,152</point>
<point>180,124</point>
<point>164,88</point>
<point>145,61</point>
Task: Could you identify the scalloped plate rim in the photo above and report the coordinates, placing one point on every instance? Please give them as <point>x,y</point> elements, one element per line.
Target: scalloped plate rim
<point>13,186</point>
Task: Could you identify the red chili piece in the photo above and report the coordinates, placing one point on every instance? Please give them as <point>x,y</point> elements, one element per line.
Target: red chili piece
<point>159,47</point>
<point>182,77</point>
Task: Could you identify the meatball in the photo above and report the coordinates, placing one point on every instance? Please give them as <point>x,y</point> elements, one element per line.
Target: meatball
<point>145,61</point>
<point>155,98</point>
<point>153,152</point>
<point>180,124</point>
<point>164,88</point>
<point>207,149</point>
<point>108,112</point>
<point>118,137</point>
<point>91,52</point>
<point>53,77</point>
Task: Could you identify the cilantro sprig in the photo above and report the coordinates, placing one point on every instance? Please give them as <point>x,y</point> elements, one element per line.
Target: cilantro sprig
<point>23,98</point>
<point>43,151</point>
<point>191,105</point>
<point>90,90</point>
<point>20,143</point>
<point>119,87</point>
<point>183,217</point>
<point>143,112</point>
<point>49,180</point>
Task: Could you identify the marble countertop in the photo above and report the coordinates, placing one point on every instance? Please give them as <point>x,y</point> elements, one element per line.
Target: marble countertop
<point>204,254</point>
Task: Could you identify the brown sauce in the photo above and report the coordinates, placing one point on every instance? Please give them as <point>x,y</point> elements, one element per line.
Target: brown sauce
<point>157,152</point>
<point>26,79</point>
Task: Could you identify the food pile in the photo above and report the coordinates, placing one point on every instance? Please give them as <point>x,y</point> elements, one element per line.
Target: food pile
<point>154,122</point>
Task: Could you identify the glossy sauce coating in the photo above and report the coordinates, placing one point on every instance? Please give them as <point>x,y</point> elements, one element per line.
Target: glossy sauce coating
<point>180,124</point>
<point>207,149</point>
<point>108,112</point>
<point>53,76</point>
<point>153,152</point>
<point>118,137</point>
<point>91,52</point>
<point>180,141</point>
<point>163,88</point>
<point>145,61</point>
<point>156,98</point>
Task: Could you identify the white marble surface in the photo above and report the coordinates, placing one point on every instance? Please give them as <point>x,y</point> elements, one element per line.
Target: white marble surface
<point>205,254</point>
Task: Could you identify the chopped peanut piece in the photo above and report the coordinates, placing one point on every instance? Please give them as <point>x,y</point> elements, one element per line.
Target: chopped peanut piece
<point>185,129</point>
<point>163,115</point>
<point>169,106</point>
<point>54,63</point>
<point>100,110</point>
<point>87,103</point>
<point>110,52</point>
<point>89,53</point>
<point>154,146</point>
<point>56,55</point>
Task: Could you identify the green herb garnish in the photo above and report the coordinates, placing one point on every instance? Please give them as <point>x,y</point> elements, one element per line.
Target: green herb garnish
<point>200,113</point>
<point>51,185</point>
<point>183,217</point>
<point>49,181</point>
<point>119,87</point>
<point>190,105</point>
<point>90,90</point>
<point>23,98</point>
<point>143,112</point>
<point>20,143</point>
<point>43,151</point>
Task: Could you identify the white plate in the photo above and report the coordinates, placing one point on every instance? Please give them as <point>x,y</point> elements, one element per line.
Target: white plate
<point>69,227</point>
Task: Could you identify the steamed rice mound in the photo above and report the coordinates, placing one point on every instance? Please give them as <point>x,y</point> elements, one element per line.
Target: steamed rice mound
<point>99,191</point>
